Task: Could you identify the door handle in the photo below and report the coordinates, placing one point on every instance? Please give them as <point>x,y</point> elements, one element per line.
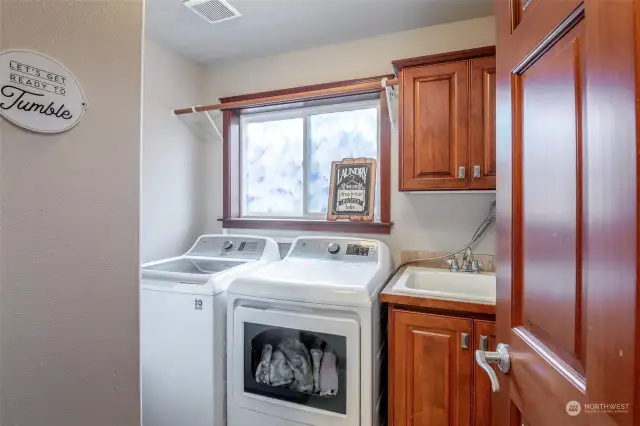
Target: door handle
<point>500,357</point>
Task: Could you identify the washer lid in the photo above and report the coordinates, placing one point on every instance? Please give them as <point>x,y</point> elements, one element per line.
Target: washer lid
<point>190,270</point>
<point>214,260</point>
<point>314,281</point>
<point>198,266</point>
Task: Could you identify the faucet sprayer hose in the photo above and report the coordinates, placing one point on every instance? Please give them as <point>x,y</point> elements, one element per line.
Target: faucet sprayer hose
<point>491,217</point>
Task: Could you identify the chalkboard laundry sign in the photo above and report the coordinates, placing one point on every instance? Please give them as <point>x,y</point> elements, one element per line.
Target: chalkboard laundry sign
<point>352,189</point>
<point>38,93</point>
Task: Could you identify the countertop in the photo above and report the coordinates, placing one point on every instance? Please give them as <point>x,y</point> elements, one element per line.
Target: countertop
<point>389,295</point>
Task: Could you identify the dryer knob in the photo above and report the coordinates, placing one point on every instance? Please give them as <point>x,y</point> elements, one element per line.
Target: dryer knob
<point>334,248</point>
<point>227,245</point>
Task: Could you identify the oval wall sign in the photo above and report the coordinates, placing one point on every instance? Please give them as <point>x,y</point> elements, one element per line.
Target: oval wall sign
<point>38,93</point>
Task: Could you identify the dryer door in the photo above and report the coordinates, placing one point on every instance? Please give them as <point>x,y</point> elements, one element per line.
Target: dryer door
<point>297,366</point>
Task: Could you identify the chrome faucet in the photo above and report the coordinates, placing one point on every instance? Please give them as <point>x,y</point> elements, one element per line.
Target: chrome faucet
<point>467,259</point>
<point>468,263</point>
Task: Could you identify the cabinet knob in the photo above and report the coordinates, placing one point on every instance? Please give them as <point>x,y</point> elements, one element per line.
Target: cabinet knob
<point>461,172</point>
<point>464,340</point>
<point>484,343</point>
<point>476,171</point>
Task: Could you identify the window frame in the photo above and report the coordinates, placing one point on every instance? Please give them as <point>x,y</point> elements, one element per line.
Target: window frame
<point>232,160</point>
<point>303,113</point>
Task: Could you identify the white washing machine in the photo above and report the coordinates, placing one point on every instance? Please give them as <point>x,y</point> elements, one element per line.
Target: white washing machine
<point>318,308</point>
<point>183,326</point>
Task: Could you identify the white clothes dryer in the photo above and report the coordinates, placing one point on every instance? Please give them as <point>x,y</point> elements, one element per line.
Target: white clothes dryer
<point>183,326</point>
<point>316,309</point>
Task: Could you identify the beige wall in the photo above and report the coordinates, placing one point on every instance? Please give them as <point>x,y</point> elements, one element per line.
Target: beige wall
<point>172,205</point>
<point>431,221</point>
<point>69,246</point>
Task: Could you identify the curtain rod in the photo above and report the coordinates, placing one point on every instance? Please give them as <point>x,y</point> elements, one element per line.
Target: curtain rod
<point>302,96</point>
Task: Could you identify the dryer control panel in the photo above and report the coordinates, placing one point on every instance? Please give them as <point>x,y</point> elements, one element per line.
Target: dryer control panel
<point>228,246</point>
<point>336,249</point>
<point>357,250</point>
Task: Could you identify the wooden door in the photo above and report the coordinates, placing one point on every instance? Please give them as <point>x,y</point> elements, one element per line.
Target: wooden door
<point>434,119</point>
<point>567,212</point>
<point>482,123</point>
<point>431,370</point>
<point>484,338</point>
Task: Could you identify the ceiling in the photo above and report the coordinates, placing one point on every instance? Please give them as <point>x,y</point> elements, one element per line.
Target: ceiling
<point>270,27</point>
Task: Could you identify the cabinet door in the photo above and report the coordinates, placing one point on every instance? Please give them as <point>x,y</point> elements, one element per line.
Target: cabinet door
<point>430,370</point>
<point>482,123</point>
<point>434,118</point>
<point>484,338</point>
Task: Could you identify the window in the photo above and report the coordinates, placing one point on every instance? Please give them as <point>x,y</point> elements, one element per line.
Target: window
<point>286,156</point>
<point>277,156</point>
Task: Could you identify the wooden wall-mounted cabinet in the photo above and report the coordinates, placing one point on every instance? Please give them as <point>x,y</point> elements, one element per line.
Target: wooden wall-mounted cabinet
<point>433,377</point>
<point>447,121</point>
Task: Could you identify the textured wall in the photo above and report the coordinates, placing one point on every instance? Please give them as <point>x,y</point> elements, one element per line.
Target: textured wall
<point>172,204</point>
<point>69,246</point>
<point>432,222</point>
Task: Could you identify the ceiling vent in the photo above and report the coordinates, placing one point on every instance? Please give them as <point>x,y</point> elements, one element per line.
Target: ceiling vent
<point>213,11</point>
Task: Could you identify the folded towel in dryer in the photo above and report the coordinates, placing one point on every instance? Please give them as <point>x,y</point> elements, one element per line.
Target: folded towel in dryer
<point>316,357</point>
<point>300,362</point>
<point>329,374</point>
<point>280,372</point>
<point>274,368</point>
<point>262,372</point>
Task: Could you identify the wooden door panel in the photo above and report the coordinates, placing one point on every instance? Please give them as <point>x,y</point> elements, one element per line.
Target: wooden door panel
<point>546,292</point>
<point>482,123</point>
<point>551,162</point>
<point>482,385</point>
<point>530,27</point>
<point>525,7</point>
<point>522,10</point>
<point>431,372</point>
<point>434,126</point>
<point>567,156</point>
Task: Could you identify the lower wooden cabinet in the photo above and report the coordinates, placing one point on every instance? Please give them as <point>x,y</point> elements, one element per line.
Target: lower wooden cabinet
<point>433,380</point>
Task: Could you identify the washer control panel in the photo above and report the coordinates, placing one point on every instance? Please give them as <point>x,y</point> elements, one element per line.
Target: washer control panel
<point>228,246</point>
<point>331,249</point>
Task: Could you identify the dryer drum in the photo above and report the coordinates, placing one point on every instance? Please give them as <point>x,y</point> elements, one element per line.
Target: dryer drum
<point>279,364</point>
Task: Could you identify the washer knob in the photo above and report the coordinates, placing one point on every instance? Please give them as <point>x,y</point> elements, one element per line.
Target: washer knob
<point>227,245</point>
<point>334,248</point>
